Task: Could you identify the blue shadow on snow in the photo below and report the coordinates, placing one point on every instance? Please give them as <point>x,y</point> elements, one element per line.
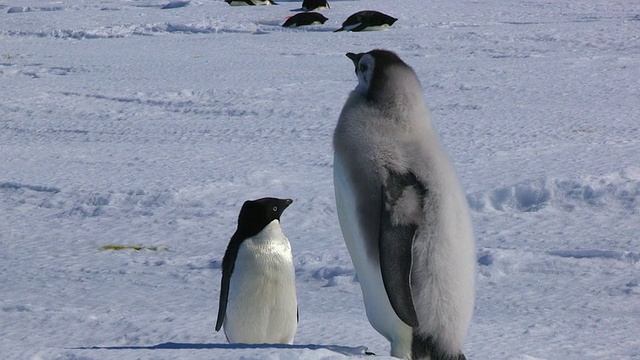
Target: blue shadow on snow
<point>345,350</point>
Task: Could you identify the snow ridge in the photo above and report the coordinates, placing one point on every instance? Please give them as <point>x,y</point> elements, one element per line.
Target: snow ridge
<point>620,189</point>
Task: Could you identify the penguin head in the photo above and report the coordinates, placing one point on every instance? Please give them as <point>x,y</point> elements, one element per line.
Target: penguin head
<point>374,69</point>
<point>365,64</point>
<point>256,214</point>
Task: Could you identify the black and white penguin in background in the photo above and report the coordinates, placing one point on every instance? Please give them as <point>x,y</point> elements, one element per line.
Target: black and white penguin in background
<point>305,18</point>
<point>250,2</point>
<point>311,5</point>
<point>367,20</point>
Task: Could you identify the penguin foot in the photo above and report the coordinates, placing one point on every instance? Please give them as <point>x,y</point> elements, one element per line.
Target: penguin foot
<point>426,348</point>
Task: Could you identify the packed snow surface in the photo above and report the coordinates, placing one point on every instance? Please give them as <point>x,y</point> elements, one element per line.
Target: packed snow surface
<point>148,123</point>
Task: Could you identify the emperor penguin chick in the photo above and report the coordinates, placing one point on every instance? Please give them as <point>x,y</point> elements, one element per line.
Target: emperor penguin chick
<point>403,214</point>
<point>258,302</point>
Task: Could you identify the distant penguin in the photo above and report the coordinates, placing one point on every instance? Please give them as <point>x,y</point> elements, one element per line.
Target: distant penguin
<point>250,2</point>
<point>306,18</point>
<point>403,214</point>
<point>258,302</point>
<point>368,20</point>
<point>310,5</point>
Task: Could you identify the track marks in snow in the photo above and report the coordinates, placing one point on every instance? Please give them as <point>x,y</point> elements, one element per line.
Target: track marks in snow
<point>120,31</point>
<point>136,203</point>
<point>173,116</point>
<point>20,187</point>
<point>333,274</point>
<point>16,308</point>
<point>213,103</point>
<point>329,272</point>
<point>36,70</point>
<point>560,260</point>
<point>632,256</point>
<point>562,246</point>
<point>539,282</point>
<point>208,26</point>
<point>22,9</point>
<point>62,203</point>
<point>620,189</point>
<point>142,117</point>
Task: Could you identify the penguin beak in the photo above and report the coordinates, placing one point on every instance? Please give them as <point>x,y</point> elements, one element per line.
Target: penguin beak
<point>355,58</point>
<point>286,203</point>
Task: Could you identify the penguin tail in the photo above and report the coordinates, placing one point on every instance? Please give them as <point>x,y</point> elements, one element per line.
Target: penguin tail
<point>341,29</point>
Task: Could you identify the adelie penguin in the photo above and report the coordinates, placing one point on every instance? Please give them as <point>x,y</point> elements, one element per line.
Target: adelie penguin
<point>258,302</point>
<point>367,20</point>
<point>250,2</point>
<point>306,18</point>
<point>403,214</point>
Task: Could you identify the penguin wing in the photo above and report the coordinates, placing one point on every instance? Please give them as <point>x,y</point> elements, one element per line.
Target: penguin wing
<point>360,27</point>
<point>395,240</point>
<point>228,263</point>
<point>290,22</point>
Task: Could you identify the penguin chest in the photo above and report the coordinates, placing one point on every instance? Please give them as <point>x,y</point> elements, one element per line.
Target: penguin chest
<point>262,305</point>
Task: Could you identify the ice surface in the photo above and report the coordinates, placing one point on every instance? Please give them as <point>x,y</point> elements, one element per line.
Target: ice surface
<point>123,123</point>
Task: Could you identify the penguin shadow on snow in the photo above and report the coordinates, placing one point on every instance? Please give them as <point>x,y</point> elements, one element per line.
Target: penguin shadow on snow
<point>340,349</point>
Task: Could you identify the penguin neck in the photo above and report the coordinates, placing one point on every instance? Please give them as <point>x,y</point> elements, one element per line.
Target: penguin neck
<point>400,94</point>
<point>270,233</point>
<point>270,244</point>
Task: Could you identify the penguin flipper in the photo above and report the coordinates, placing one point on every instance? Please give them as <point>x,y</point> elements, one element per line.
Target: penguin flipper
<point>288,23</point>
<point>395,265</point>
<point>395,242</point>
<point>228,263</point>
<point>361,27</point>
<point>222,306</point>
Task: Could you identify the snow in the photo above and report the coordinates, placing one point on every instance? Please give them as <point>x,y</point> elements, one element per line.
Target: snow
<point>150,122</point>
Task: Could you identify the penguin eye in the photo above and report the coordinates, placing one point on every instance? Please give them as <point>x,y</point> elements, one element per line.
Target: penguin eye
<point>363,68</point>
<point>275,208</point>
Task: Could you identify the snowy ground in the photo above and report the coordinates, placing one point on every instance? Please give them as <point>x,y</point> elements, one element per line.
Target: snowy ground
<point>125,123</point>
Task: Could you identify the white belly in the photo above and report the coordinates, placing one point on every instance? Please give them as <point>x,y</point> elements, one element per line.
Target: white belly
<point>368,28</point>
<point>379,311</point>
<point>262,305</point>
